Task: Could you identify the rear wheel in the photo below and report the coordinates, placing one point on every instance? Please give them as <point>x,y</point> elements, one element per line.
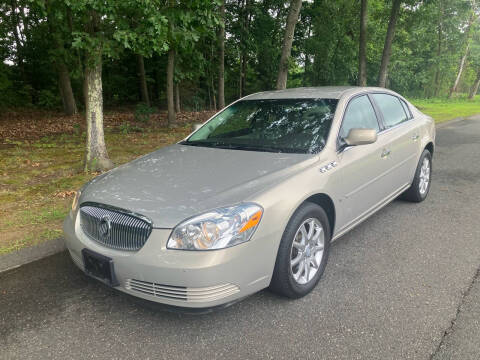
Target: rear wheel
<point>303,252</point>
<point>418,191</point>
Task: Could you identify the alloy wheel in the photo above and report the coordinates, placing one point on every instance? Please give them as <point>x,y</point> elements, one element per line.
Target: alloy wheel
<point>307,250</point>
<point>424,176</point>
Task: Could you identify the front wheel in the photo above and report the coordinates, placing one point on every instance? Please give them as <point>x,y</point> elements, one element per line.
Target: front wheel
<point>303,252</point>
<point>418,191</point>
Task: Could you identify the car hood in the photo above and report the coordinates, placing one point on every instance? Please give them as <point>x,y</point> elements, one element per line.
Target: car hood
<point>180,181</point>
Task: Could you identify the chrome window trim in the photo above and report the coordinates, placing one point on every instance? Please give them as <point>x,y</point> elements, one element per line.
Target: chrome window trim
<point>386,130</point>
<point>410,114</point>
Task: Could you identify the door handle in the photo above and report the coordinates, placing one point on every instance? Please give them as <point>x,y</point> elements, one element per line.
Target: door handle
<point>415,137</point>
<point>385,153</point>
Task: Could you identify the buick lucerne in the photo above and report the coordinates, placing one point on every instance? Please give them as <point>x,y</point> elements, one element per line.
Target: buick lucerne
<point>252,198</point>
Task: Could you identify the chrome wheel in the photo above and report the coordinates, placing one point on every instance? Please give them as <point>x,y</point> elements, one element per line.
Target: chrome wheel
<point>424,176</point>
<point>307,251</point>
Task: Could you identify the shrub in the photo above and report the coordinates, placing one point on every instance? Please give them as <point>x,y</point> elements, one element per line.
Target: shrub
<point>47,99</point>
<point>143,112</point>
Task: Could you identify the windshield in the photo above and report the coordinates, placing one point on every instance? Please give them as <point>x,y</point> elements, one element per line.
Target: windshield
<point>280,125</point>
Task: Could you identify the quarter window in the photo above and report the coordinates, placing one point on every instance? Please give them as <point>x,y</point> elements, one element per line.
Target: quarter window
<point>359,115</point>
<point>391,108</point>
<point>407,109</point>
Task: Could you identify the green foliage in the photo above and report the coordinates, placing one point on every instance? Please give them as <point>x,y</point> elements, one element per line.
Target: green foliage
<point>428,44</point>
<point>47,99</point>
<point>143,112</point>
<point>126,128</point>
<point>5,86</point>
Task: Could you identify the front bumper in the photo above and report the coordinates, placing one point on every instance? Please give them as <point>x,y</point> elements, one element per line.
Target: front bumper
<point>193,279</point>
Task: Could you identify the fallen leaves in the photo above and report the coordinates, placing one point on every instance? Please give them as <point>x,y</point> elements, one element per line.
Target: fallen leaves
<point>35,124</point>
<point>64,194</point>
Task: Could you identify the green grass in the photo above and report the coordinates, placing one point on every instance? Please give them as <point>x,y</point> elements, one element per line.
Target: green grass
<point>37,179</point>
<point>31,239</point>
<point>443,109</point>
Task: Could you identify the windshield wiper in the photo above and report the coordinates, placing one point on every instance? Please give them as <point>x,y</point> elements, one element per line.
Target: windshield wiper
<point>212,144</point>
<point>246,147</point>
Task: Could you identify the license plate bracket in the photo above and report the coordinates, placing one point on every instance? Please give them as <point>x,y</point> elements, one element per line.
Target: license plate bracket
<point>99,266</point>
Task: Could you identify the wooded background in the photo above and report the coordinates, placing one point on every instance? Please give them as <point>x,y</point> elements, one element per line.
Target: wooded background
<point>78,55</point>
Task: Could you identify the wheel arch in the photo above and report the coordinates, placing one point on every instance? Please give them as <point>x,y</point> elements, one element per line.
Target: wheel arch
<point>430,147</point>
<point>326,202</point>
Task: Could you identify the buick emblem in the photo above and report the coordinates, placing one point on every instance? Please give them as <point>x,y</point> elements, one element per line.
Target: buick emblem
<point>105,226</point>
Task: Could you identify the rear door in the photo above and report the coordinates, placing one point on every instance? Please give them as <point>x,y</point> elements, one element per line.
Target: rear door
<point>401,136</point>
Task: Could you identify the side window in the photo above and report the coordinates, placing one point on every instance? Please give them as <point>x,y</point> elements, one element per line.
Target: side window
<point>407,109</point>
<point>359,115</point>
<point>391,108</point>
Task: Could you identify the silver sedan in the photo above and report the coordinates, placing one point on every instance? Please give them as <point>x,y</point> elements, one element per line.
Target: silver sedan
<point>253,198</point>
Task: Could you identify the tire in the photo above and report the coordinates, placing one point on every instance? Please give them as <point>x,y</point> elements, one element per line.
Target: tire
<point>288,280</point>
<point>418,191</point>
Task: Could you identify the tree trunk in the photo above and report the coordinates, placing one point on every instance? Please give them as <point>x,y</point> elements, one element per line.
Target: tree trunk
<point>170,87</point>
<point>16,25</point>
<point>245,15</point>
<point>240,82</point>
<point>292,19</point>
<point>209,106</point>
<point>177,97</point>
<point>213,94</point>
<point>244,74</point>
<point>64,83</point>
<point>387,48</point>
<point>221,58</point>
<point>65,86</point>
<point>475,87</point>
<point>96,158</point>
<point>158,86</point>
<point>362,53</point>
<point>143,80</point>
<point>305,72</point>
<point>468,34</point>
<point>436,80</point>
<point>461,67</point>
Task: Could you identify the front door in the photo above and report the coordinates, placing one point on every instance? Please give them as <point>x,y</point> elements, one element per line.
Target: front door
<point>360,184</point>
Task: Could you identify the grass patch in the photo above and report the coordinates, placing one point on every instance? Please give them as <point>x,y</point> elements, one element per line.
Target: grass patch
<point>444,109</point>
<point>37,176</point>
<point>31,239</point>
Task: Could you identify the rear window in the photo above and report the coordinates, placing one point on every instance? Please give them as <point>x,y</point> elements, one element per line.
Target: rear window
<point>391,108</point>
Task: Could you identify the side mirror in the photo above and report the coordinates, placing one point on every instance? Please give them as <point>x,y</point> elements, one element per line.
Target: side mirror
<point>197,126</point>
<point>361,137</point>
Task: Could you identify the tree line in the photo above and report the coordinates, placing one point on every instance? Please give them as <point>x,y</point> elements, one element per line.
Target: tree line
<point>202,54</point>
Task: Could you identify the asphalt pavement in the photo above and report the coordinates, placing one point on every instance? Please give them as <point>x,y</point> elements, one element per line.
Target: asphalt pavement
<point>403,284</point>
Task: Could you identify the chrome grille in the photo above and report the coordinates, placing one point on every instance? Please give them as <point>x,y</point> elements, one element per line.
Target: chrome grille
<point>114,228</point>
<point>182,293</point>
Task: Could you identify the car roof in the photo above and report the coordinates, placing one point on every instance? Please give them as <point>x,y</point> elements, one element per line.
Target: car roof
<point>321,92</point>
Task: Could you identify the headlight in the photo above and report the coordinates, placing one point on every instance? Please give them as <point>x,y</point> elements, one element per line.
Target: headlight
<point>217,229</point>
<point>75,200</point>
